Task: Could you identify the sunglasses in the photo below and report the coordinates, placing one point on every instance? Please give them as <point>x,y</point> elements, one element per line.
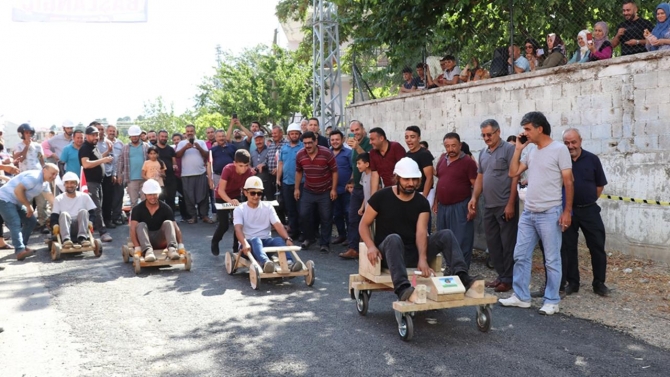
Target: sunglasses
<point>255,193</point>
<point>488,134</point>
<point>528,46</point>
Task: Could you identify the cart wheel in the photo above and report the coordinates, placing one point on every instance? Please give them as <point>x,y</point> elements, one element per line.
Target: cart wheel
<point>489,262</point>
<point>97,248</point>
<point>187,265</point>
<point>136,264</point>
<point>55,250</point>
<point>362,302</point>
<point>406,328</point>
<point>125,253</point>
<point>229,259</point>
<point>483,318</point>
<point>309,278</point>
<point>254,276</point>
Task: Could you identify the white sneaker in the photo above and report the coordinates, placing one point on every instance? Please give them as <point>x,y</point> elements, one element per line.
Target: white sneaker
<point>548,309</point>
<point>514,301</point>
<point>149,256</point>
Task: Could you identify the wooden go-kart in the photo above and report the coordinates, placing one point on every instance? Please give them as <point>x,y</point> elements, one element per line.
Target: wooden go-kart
<point>278,255</point>
<point>56,247</point>
<point>442,292</point>
<point>127,251</point>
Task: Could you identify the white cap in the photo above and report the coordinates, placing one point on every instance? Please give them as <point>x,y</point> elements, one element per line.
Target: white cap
<point>294,127</point>
<point>67,123</point>
<point>134,130</point>
<point>253,183</point>
<point>151,186</point>
<point>407,168</point>
<point>70,176</point>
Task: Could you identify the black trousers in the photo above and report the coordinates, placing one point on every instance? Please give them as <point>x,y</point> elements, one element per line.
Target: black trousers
<point>501,240</point>
<point>398,258</point>
<point>589,221</point>
<point>182,203</point>
<point>270,193</point>
<point>107,199</point>
<point>169,192</point>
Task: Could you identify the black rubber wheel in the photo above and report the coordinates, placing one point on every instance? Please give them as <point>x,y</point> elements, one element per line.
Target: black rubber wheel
<point>406,328</point>
<point>483,318</point>
<point>362,302</point>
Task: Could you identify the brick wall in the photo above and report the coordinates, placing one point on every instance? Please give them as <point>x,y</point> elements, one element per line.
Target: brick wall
<point>621,107</point>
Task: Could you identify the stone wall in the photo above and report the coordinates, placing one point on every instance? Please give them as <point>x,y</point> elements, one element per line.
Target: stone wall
<point>621,107</point>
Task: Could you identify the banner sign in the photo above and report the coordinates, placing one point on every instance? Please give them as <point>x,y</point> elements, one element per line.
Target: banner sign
<point>79,10</point>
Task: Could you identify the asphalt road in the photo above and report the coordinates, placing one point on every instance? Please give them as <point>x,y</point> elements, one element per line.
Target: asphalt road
<point>95,317</point>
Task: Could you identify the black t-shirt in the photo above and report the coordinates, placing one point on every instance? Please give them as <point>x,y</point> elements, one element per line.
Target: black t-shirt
<point>91,151</point>
<point>323,141</point>
<point>141,214</point>
<point>165,154</point>
<point>423,158</point>
<point>634,30</point>
<point>397,216</point>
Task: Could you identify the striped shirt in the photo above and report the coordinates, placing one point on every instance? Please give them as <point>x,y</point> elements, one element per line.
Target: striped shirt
<point>273,151</point>
<point>318,172</point>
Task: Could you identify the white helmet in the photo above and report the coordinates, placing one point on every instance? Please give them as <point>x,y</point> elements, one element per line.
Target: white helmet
<point>67,123</point>
<point>253,183</point>
<point>407,168</point>
<point>70,176</point>
<point>294,127</point>
<point>134,130</point>
<point>151,186</point>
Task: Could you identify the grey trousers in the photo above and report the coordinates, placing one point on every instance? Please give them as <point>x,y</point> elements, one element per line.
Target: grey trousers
<point>73,229</point>
<point>134,189</point>
<point>163,238</point>
<point>501,240</point>
<point>95,192</point>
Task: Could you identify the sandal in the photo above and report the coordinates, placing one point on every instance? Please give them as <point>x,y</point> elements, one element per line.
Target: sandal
<point>207,220</point>
<point>191,221</point>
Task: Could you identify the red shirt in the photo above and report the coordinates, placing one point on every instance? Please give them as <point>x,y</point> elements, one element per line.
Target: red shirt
<point>234,181</point>
<point>453,185</point>
<point>385,164</point>
<point>318,172</point>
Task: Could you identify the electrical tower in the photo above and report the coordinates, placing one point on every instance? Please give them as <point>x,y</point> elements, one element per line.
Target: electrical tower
<point>327,88</point>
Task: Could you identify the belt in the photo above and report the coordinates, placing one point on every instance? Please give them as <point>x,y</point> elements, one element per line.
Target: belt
<point>584,205</point>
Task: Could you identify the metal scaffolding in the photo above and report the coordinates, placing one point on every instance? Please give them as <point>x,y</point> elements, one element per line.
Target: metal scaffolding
<point>327,88</point>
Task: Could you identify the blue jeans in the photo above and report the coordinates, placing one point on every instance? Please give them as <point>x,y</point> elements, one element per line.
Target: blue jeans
<point>308,202</point>
<point>15,215</point>
<point>257,245</point>
<point>341,213</point>
<point>534,226</point>
<point>455,217</point>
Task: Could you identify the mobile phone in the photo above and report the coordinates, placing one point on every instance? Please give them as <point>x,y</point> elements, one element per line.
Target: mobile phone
<point>351,134</point>
<point>191,141</point>
<point>589,38</point>
<point>523,139</point>
<point>234,115</point>
<point>540,52</point>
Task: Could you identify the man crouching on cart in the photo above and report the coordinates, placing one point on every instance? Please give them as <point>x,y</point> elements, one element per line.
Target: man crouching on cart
<point>152,225</point>
<point>401,232</point>
<point>252,221</point>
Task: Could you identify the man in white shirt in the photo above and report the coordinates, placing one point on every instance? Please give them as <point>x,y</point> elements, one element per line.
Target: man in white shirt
<point>72,211</point>
<point>193,154</point>
<point>31,157</point>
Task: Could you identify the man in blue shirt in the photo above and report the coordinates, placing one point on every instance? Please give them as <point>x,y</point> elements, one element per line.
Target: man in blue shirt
<point>70,154</point>
<point>129,165</point>
<point>344,170</point>
<point>16,197</point>
<point>286,180</point>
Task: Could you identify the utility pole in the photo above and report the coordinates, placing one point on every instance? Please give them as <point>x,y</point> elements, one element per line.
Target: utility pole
<point>327,88</point>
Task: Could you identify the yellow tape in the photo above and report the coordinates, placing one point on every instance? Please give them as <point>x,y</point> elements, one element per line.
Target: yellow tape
<point>634,200</point>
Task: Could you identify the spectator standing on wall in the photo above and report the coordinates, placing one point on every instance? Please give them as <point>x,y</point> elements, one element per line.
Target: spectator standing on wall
<point>451,74</point>
<point>630,32</point>
<point>659,37</point>
<point>535,53</point>
<point>420,79</point>
<point>601,47</point>
<point>517,63</point>
<point>408,85</point>
<point>555,52</point>
<point>474,72</point>
<point>582,53</point>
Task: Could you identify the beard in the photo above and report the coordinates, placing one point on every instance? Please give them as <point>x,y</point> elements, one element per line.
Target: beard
<point>407,191</point>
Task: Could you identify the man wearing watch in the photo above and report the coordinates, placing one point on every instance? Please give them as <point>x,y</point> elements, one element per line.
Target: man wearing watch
<point>253,220</point>
<point>630,32</point>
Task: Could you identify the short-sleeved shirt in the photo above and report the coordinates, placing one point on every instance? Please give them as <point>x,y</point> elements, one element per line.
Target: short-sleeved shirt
<point>192,163</point>
<point>234,181</point>
<point>152,169</point>
<point>256,222</point>
<point>32,160</point>
<point>63,203</point>
<point>522,62</point>
<point>273,155</point>
<point>318,172</point>
<point>222,156</point>
<point>287,155</point>
<point>258,158</point>
<point>141,214</point>
<point>385,164</point>
<point>366,146</point>
<point>343,161</point>
<point>365,183</point>
<point>634,30</point>
<point>408,85</point>
<point>545,179</point>
<point>589,175</point>
<point>91,151</point>
<point>58,143</point>
<point>395,216</point>
<point>455,72</point>
<point>243,144</point>
<point>166,154</point>
<point>424,159</point>
<point>418,82</point>
<point>33,182</point>
<point>454,185</point>
<point>494,166</point>
<point>322,141</point>
<point>70,157</point>
<point>136,161</point>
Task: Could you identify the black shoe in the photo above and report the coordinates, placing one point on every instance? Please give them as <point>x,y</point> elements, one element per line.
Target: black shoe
<point>44,229</point>
<point>110,225</point>
<point>601,289</point>
<point>300,238</point>
<point>215,248</point>
<point>324,249</point>
<point>571,288</point>
<point>119,222</point>
<point>306,244</point>
<point>467,280</point>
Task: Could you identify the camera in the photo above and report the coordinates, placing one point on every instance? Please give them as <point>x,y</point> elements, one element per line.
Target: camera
<point>523,139</point>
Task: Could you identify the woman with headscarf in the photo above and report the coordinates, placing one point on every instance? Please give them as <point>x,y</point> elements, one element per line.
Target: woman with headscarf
<point>582,54</point>
<point>600,48</point>
<point>534,54</point>
<point>555,52</point>
<point>659,38</point>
